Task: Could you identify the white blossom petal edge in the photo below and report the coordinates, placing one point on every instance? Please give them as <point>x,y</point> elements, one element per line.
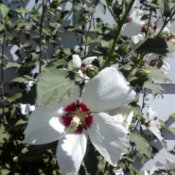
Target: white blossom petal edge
<point>72,121</point>
<point>152,123</point>
<point>26,108</point>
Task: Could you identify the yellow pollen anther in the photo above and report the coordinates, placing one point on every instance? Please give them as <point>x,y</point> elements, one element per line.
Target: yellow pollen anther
<point>74,123</point>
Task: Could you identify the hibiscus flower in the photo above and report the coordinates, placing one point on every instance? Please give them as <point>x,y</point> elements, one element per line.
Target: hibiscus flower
<point>83,65</point>
<point>74,120</point>
<point>152,123</point>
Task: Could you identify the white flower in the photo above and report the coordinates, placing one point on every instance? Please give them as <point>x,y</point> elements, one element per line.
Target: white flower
<point>135,24</point>
<point>82,65</point>
<point>119,172</point>
<point>29,84</point>
<point>123,115</point>
<point>73,120</point>
<point>169,164</point>
<point>159,73</point>
<point>165,68</point>
<point>152,60</point>
<point>151,172</point>
<point>152,123</point>
<point>26,108</point>
<point>137,38</point>
<point>169,28</point>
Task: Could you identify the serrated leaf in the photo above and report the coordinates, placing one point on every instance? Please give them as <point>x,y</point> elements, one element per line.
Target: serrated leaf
<point>153,45</point>
<point>19,79</point>
<point>2,28</point>
<point>22,10</point>
<point>52,86</point>
<point>102,7</point>
<point>3,134</point>
<point>5,171</point>
<point>155,88</point>
<point>60,62</point>
<point>171,130</point>
<point>161,5</point>
<point>12,65</point>
<point>164,6</point>
<point>22,79</point>
<point>142,145</point>
<point>172,116</point>
<point>15,97</point>
<point>4,10</point>
<point>158,74</point>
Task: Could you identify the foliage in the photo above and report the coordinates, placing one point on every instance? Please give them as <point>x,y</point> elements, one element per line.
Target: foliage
<point>33,48</point>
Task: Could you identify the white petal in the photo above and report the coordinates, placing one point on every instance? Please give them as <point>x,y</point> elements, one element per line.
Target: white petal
<point>146,172</point>
<point>89,60</point>
<point>137,38</point>
<point>172,27</point>
<point>29,84</point>
<point>156,132</point>
<point>76,60</point>
<point>119,118</point>
<point>170,164</point>
<point>26,108</point>
<point>109,137</point>
<point>70,153</point>
<point>119,172</point>
<point>82,76</point>
<point>131,29</point>
<point>150,115</point>
<point>107,90</point>
<point>44,125</point>
<point>165,68</point>
<point>123,115</point>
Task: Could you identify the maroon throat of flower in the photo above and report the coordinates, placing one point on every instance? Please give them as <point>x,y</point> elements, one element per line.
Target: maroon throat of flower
<point>77,116</point>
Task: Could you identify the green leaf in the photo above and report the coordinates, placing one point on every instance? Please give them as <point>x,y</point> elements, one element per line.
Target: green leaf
<point>60,62</point>
<point>142,145</point>
<point>3,134</point>
<point>157,74</point>
<point>4,10</point>
<point>22,10</point>
<point>15,97</point>
<point>12,65</point>
<point>22,79</point>
<point>155,88</point>
<point>52,86</point>
<point>102,7</point>
<point>19,80</point>
<point>171,130</point>
<point>172,116</point>
<point>161,4</point>
<point>164,7</point>
<point>153,45</point>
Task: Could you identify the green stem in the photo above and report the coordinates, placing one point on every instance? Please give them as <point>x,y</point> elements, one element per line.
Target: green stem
<point>89,28</point>
<point>40,36</point>
<point>166,22</point>
<point>149,22</point>
<point>2,65</point>
<point>117,34</point>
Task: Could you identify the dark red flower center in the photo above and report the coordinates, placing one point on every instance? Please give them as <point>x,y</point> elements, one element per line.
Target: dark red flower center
<point>148,124</point>
<point>129,19</point>
<point>83,68</point>
<point>77,117</point>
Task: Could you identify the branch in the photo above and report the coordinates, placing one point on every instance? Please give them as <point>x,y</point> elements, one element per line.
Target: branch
<point>117,34</point>
<point>40,35</point>
<point>2,65</point>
